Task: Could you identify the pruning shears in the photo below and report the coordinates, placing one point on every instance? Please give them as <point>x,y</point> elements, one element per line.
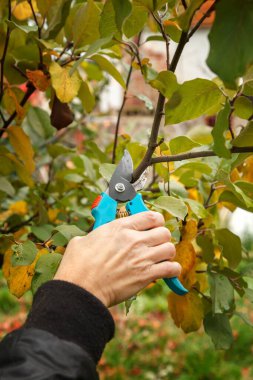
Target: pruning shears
<point>120,189</point>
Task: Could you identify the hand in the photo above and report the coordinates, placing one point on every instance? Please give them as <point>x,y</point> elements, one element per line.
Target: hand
<point>118,259</point>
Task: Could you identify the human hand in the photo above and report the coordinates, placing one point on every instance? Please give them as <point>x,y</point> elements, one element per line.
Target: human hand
<point>118,259</point>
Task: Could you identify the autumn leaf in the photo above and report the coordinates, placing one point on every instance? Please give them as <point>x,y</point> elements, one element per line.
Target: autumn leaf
<point>19,208</point>
<point>39,79</point>
<point>186,256</point>
<point>19,278</point>
<point>11,97</point>
<point>187,311</point>
<point>23,11</point>
<point>189,230</point>
<point>22,146</point>
<point>66,86</point>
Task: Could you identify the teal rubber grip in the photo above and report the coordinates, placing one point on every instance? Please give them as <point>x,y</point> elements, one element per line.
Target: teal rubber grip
<point>105,211</point>
<point>135,206</point>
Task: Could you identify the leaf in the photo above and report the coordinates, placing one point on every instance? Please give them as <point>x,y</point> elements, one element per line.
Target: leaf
<point>230,56</point>
<point>25,28</point>
<point>146,100</point>
<point>106,170</point>
<point>174,206</point>
<point>66,86</point>
<point>221,126</point>
<point>197,208</point>
<point>22,146</point>
<point>236,280</point>
<point>22,11</point>
<point>217,326</point>
<point>244,317</point>
<point>187,311</point>
<point>43,232</point>
<point>166,83</point>
<point>245,138</point>
<point>56,13</point>
<point>243,107</point>
<point>186,257</point>
<point>39,79</point>
<point>182,144</point>
<point>222,293</point>
<point>87,97</point>
<point>45,269</point>
<point>86,24</point>
<point>185,19</point>
<point>191,100</point>
<point>172,29</point>
<point>107,66</point>
<point>23,253</point>
<point>39,122</point>
<point>61,115</point>
<point>135,22</point>
<point>122,10</point>
<point>69,231</point>
<point>231,246</point>
<point>205,242</point>
<point>6,187</point>
<point>107,24</point>
<point>12,98</point>
<point>189,230</point>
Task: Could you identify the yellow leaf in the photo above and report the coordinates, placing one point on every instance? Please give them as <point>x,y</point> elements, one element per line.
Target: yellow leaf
<point>39,79</point>
<point>52,214</point>
<point>22,146</point>
<point>247,170</point>
<point>186,256</point>
<point>66,86</point>
<point>22,11</point>
<point>187,311</point>
<point>19,207</point>
<point>19,278</point>
<point>189,231</point>
<point>12,102</point>
<point>21,170</point>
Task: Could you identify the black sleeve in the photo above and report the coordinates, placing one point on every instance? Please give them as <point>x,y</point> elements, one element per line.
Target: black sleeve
<point>63,337</point>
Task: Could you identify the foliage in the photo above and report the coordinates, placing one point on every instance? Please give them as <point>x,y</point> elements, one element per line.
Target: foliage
<point>65,52</point>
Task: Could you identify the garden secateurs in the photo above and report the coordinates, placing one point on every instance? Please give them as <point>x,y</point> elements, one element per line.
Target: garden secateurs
<point>120,189</point>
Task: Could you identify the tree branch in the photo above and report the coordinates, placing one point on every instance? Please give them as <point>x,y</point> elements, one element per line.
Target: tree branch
<point>184,4</point>
<point>5,52</point>
<point>205,15</point>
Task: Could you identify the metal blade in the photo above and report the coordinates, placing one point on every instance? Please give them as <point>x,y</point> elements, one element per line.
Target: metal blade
<point>140,183</point>
<point>124,168</point>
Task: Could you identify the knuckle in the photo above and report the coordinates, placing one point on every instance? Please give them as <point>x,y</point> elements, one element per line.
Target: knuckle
<point>165,233</point>
<point>155,217</point>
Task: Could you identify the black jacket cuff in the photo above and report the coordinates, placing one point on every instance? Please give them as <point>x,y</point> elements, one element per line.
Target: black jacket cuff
<point>73,314</point>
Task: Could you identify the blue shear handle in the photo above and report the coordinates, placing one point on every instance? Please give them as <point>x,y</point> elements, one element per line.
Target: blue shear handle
<point>105,211</point>
<point>135,206</point>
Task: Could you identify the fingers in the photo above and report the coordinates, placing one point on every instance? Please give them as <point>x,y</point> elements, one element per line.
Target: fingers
<point>166,269</point>
<point>156,236</point>
<point>166,251</point>
<point>143,221</point>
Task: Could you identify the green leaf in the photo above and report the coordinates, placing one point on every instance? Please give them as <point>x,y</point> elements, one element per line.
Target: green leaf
<point>24,28</point>
<point>236,280</point>
<point>243,107</point>
<point>244,317</point>
<point>56,13</point>
<point>106,170</point>
<point>45,269</point>
<point>174,206</point>
<point>191,100</point>
<point>86,24</point>
<point>217,326</point>
<point>197,208</point>
<point>221,126</point>
<point>245,138</point>
<point>146,100</point>
<point>23,253</point>
<point>205,242</point>
<point>122,10</point>
<point>230,55</point>
<point>222,293</point>
<point>107,66</point>
<point>39,122</point>
<point>231,246</point>
<point>173,31</point>
<point>185,19</point>
<point>135,22</point>
<point>6,187</point>
<point>166,83</point>
<point>43,232</point>
<point>107,24</point>
<point>182,144</point>
<point>87,97</point>
<point>69,231</point>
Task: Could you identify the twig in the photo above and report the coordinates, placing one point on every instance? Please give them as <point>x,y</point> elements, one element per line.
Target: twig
<point>202,294</point>
<point>39,30</point>
<point>165,37</point>
<point>5,52</point>
<point>184,4</point>
<point>205,15</point>
<point>2,116</point>
<point>212,190</point>
<point>116,134</point>
<point>14,228</point>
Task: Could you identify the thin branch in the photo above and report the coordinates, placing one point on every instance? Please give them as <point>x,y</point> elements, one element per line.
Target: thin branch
<point>16,227</point>
<point>205,15</point>
<point>5,52</point>
<point>116,134</point>
<point>165,37</point>
<point>2,116</point>
<point>212,190</point>
<point>184,4</point>
<point>39,29</point>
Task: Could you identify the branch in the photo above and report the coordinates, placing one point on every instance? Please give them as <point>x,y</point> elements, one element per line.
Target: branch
<point>39,29</point>
<point>5,52</point>
<point>205,15</point>
<point>165,37</point>
<point>184,4</point>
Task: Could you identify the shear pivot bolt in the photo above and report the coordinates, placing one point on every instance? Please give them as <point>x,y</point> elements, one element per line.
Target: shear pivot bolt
<point>120,187</point>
